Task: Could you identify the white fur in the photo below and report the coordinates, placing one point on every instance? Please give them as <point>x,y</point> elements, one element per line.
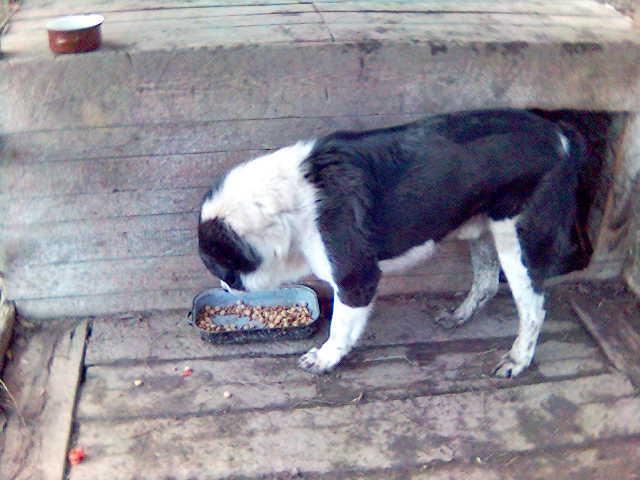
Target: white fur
<point>408,259</point>
<point>268,202</point>
<point>530,304</point>
<point>564,142</point>
<point>347,323</point>
<point>486,277</point>
<point>472,229</point>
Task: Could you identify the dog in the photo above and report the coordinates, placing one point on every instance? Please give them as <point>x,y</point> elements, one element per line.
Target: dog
<point>351,205</point>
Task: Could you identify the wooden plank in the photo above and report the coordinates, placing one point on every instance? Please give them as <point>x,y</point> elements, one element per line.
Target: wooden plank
<point>91,305</point>
<point>630,193</point>
<point>122,236</point>
<point>57,419</point>
<point>631,271</point>
<point>44,378</point>
<point>277,382</point>
<point>486,19</point>
<point>180,298</point>
<point>106,239</point>
<point>425,430</point>
<point>620,185</point>
<point>192,33</point>
<point>610,324</point>
<point>396,320</point>
<point>7,320</point>
<point>233,141</point>
<point>177,20</point>
<point>207,85</point>
<point>571,7</point>
<point>357,31</point>
<point>149,273</point>
<point>611,458</point>
<point>96,278</point>
<point>33,10</point>
<point>94,206</point>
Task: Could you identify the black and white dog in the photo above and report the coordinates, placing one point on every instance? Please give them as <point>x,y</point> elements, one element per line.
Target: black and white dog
<point>351,205</point>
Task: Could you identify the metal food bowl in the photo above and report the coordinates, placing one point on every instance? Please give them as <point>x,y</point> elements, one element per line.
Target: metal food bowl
<point>285,297</point>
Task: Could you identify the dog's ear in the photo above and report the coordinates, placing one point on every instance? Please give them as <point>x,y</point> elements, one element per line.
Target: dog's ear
<point>218,239</point>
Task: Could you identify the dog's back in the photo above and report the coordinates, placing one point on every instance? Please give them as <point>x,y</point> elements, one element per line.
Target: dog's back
<point>420,181</point>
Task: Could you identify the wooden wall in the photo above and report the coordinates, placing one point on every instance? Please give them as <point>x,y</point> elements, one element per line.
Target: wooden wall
<point>104,220</point>
<point>105,156</point>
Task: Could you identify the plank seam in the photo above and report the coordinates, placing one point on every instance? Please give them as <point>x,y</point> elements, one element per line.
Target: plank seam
<point>315,403</point>
<point>476,345</point>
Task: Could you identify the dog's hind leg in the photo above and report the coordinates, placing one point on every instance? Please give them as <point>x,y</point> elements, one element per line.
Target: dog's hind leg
<point>486,277</point>
<point>529,301</point>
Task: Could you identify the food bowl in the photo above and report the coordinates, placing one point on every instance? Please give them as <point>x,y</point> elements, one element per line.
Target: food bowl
<point>285,297</point>
<point>75,33</point>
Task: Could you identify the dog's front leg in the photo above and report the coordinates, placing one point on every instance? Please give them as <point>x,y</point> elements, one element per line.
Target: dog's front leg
<point>347,324</point>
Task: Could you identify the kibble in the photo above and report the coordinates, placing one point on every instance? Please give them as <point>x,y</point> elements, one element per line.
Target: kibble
<point>260,316</point>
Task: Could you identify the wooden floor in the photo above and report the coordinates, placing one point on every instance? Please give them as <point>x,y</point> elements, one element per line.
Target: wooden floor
<point>412,401</point>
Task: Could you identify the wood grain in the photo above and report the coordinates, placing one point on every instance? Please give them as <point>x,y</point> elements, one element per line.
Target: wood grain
<point>165,335</point>
<point>610,324</point>
<point>45,376</point>
<point>433,429</point>
<point>257,383</point>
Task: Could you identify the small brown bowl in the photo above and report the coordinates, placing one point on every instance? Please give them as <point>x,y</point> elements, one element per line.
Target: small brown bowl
<point>75,33</point>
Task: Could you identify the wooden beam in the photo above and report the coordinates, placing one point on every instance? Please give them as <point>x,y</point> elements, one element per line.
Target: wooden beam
<point>44,378</point>
<point>631,271</point>
<point>619,187</point>
<point>612,324</point>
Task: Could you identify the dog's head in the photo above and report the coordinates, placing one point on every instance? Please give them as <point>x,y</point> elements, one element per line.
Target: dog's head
<point>251,220</point>
<point>225,253</point>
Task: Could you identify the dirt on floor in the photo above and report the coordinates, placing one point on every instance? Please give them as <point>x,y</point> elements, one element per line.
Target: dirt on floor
<point>412,401</point>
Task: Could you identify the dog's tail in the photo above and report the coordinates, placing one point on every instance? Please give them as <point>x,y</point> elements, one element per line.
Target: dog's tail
<point>547,226</point>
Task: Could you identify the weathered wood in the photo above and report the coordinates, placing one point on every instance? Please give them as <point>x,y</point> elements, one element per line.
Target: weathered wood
<point>177,20</point>
<point>571,7</point>
<point>205,85</point>
<point>122,237</point>
<point>43,378</point>
<point>216,16</point>
<point>629,193</point>
<point>396,320</point>
<point>277,382</point>
<point>233,141</point>
<point>321,439</point>
<point>490,20</point>
<point>154,273</point>
<point>621,184</point>
<point>193,33</point>
<point>38,9</point>
<point>129,263</point>
<point>610,458</point>
<point>7,320</point>
<point>93,206</point>
<point>631,271</point>
<point>610,324</point>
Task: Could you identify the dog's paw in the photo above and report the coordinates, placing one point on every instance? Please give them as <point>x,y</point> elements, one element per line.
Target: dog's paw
<point>507,367</point>
<point>447,319</point>
<point>319,360</point>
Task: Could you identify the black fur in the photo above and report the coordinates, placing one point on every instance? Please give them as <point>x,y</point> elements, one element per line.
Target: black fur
<point>225,253</point>
<point>385,191</point>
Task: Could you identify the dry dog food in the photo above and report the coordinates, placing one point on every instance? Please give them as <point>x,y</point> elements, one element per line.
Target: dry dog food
<point>261,317</point>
